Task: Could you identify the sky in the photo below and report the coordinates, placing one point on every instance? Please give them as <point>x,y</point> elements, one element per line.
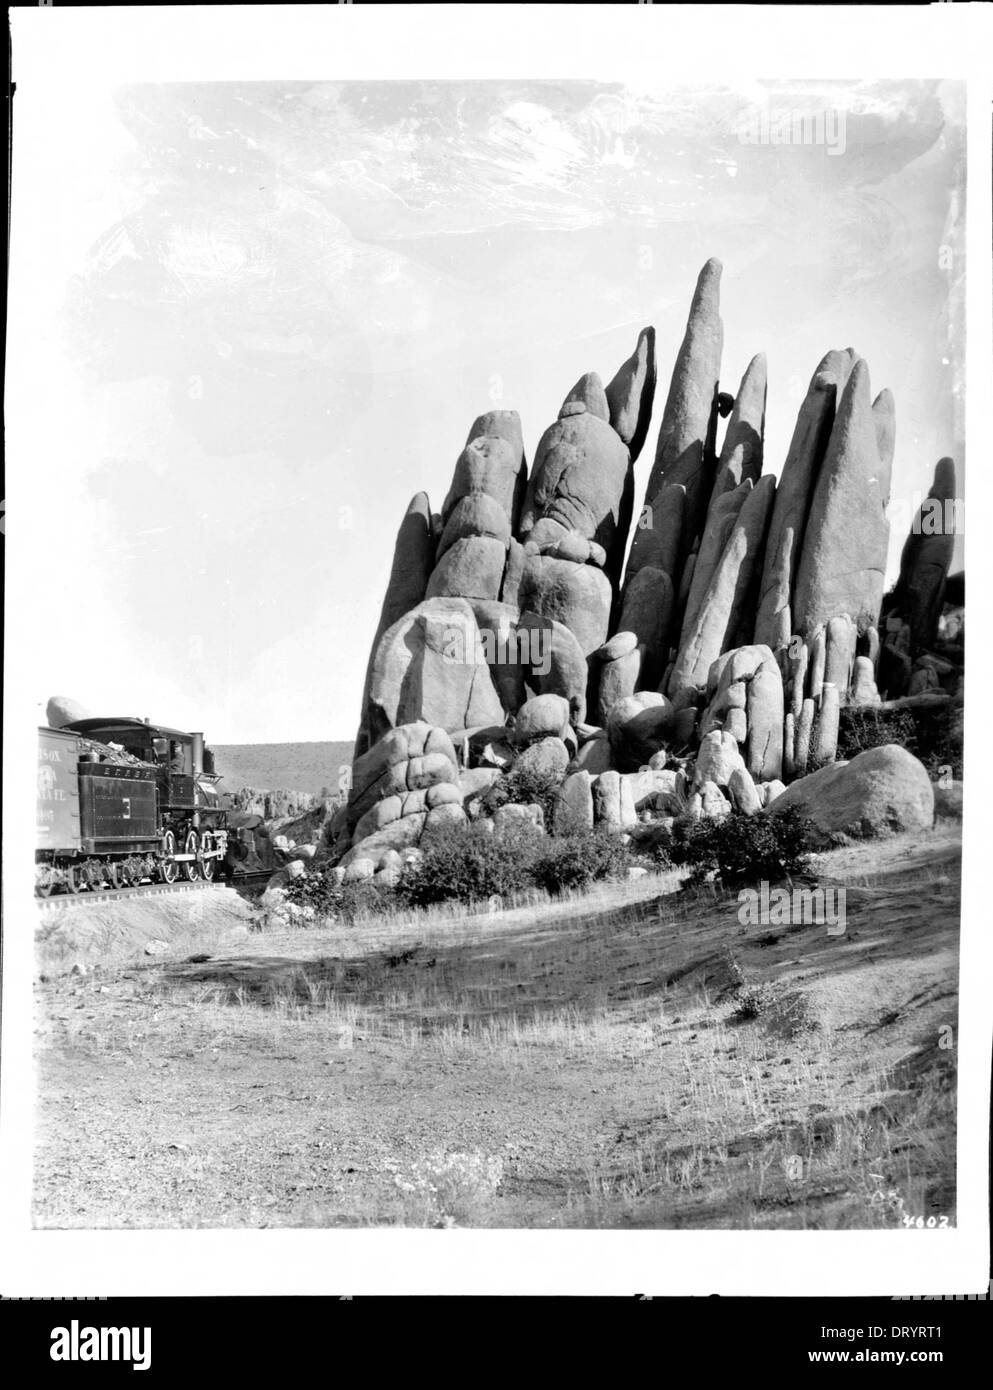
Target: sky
<point>265,315</point>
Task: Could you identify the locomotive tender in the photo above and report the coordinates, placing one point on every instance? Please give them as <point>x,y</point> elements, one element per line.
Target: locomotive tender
<point>121,800</point>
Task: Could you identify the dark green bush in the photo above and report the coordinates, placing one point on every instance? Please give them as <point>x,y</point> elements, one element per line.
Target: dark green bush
<point>936,742</point>
<point>861,727</point>
<point>928,732</point>
<point>741,848</point>
<point>526,787</point>
<point>468,865</point>
<point>575,861</point>
<point>655,849</point>
<point>343,902</point>
<point>464,863</point>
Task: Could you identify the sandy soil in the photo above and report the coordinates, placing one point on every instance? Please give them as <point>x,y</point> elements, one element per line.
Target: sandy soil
<point>584,1063</point>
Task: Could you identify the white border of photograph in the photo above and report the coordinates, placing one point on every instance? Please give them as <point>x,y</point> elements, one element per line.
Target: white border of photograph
<point>61,58</point>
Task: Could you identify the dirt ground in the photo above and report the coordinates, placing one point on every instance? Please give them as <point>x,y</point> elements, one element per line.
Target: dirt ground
<point>632,1057</point>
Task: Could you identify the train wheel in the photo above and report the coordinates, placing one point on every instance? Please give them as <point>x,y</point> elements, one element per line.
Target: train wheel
<point>75,882</point>
<point>208,846</point>
<point>95,875</point>
<point>45,880</point>
<point>191,869</point>
<point>121,874</point>
<point>168,868</point>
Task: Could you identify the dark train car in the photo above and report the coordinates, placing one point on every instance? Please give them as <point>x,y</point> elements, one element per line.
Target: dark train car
<point>120,800</point>
<point>57,819</point>
<point>118,809</point>
<point>177,757</point>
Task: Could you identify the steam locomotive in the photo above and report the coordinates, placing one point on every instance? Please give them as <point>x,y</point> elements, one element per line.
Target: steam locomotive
<point>123,800</point>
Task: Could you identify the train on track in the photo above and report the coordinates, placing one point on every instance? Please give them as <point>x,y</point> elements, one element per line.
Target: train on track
<point>122,801</point>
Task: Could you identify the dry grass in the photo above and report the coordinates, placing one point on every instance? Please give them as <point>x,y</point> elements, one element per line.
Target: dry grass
<point>585,1062</point>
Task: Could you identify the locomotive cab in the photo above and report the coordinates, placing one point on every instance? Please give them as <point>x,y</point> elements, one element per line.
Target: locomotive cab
<point>178,758</point>
<point>144,800</point>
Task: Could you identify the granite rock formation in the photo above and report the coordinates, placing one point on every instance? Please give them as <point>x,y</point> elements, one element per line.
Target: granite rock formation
<point>715,666</point>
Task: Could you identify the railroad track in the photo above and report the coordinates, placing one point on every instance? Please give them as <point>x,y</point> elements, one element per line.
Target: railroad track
<point>257,878</point>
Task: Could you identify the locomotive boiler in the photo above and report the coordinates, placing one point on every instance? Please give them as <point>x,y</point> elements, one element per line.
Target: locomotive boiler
<point>121,801</point>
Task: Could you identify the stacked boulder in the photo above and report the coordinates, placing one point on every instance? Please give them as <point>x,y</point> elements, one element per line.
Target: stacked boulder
<point>405,784</point>
<point>473,557</point>
<point>578,506</point>
<point>701,676</point>
<point>913,661</point>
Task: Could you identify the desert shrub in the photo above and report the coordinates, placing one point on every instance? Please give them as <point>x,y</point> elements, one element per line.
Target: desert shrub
<point>342,902</point>
<point>575,861</point>
<point>937,740</point>
<point>655,849</point>
<point>782,1011</point>
<point>754,1000</point>
<point>861,727</point>
<point>928,732</point>
<point>741,848</point>
<point>525,787</point>
<point>464,863</point>
<point>449,1189</point>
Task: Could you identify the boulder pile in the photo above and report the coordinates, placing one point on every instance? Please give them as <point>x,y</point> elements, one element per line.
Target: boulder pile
<point>706,673</point>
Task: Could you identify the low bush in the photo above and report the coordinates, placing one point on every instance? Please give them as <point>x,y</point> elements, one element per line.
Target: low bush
<point>467,864</point>
<point>575,861</point>
<point>655,850</point>
<point>938,739</point>
<point>743,849</point>
<point>784,1012</point>
<point>928,732</point>
<point>526,787</point>
<point>860,727</point>
<point>464,863</point>
<point>341,902</point>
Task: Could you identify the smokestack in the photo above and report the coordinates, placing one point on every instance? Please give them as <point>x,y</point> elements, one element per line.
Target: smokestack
<point>197,754</point>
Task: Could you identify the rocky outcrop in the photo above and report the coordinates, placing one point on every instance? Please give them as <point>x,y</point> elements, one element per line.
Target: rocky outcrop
<point>774,619</point>
<point>637,727</point>
<point>719,672</point>
<point>544,716</point>
<point>580,469</point>
<point>684,454</point>
<point>631,392</point>
<point>578,596</point>
<point>431,666</point>
<point>925,561</point>
<point>647,611</point>
<point>843,556</point>
<point>723,618</point>
<point>883,789</point>
<point>406,784</point>
<point>410,758</point>
<point>613,801</point>
<point>556,664</point>
<point>574,805</point>
<point>413,560</point>
<point>615,669</point>
<point>745,699</point>
<point>741,452</point>
<point>884,419</point>
<point>61,710</point>
<point>721,521</point>
<point>491,465</point>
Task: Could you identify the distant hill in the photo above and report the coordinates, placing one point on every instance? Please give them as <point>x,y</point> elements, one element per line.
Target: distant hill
<point>298,767</point>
